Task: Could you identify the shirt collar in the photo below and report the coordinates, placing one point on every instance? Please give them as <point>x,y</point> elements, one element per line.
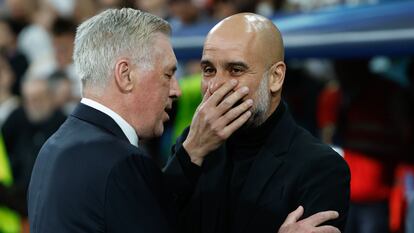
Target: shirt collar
<point>123,124</point>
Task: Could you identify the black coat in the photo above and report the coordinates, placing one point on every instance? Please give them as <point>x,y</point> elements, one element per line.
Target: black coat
<point>89,178</point>
<point>292,168</point>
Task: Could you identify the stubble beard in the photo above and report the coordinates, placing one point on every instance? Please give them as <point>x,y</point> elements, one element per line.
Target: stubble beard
<point>262,103</point>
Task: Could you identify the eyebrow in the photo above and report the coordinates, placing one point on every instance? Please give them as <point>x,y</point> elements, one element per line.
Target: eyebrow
<point>227,64</point>
<point>173,68</point>
<point>205,62</point>
<point>236,63</point>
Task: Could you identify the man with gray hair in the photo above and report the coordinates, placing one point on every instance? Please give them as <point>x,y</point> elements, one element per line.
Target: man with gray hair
<point>91,175</point>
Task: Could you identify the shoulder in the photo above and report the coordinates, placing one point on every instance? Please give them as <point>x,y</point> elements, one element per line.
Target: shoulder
<point>311,153</point>
<point>78,142</point>
<point>81,159</point>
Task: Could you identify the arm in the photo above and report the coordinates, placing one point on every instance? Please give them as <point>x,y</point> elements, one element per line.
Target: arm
<point>180,174</point>
<point>325,186</point>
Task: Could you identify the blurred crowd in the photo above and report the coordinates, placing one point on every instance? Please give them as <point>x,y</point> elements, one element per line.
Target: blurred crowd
<point>362,107</point>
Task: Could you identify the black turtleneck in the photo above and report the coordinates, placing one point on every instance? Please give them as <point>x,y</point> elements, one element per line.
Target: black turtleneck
<point>242,149</point>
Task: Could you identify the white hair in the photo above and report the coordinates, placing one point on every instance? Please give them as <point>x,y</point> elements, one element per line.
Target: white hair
<point>114,33</point>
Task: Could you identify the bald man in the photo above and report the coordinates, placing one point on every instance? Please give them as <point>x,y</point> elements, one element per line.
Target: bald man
<point>268,167</point>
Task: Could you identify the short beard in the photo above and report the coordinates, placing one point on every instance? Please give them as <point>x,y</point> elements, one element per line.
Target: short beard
<point>262,103</point>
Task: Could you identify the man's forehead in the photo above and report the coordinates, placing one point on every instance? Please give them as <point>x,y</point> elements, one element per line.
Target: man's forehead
<point>230,35</point>
<point>225,53</point>
<point>164,51</point>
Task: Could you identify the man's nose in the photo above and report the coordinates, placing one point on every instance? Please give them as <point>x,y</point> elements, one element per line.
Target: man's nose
<point>175,90</point>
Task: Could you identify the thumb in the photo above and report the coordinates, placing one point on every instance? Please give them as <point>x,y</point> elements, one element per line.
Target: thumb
<point>294,216</point>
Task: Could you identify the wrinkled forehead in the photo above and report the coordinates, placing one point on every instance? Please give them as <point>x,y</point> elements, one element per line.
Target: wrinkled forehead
<point>224,47</point>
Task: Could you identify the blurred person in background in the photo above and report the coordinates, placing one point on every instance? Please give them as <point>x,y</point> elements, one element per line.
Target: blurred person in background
<point>155,7</point>
<point>409,179</point>
<point>116,4</point>
<point>225,8</point>
<point>410,88</point>
<point>61,87</point>
<point>35,40</point>
<point>222,9</point>
<point>20,13</point>
<point>83,10</point>
<point>402,193</point>
<point>8,49</point>
<point>185,14</point>
<point>301,90</point>
<point>9,219</point>
<point>8,101</point>
<point>366,115</point>
<point>24,133</point>
<point>409,227</point>
<point>269,8</point>
<point>63,31</point>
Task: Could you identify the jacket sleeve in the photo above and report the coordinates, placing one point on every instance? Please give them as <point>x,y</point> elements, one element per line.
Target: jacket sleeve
<point>180,174</point>
<point>325,185</point>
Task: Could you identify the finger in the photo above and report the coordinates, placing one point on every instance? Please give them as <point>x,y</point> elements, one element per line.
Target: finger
<point>235,112</point>
<point>236,124</point>
<point>320,217</point>
<point>229,101</point>
<point>294,216</point>
<point>207,95</point>
<point>219,94</point>
<point>327,229</point>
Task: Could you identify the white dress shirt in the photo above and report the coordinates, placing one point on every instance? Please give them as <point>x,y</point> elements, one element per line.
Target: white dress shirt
<point>125,126</point>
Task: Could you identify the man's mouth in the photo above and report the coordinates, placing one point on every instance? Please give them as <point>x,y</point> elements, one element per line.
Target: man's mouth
<point>168,111</point>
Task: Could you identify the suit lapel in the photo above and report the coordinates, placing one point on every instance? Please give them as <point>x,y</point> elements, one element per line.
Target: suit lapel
<point>267,163</point>
<point>99,119</point>
<point>213,183</point>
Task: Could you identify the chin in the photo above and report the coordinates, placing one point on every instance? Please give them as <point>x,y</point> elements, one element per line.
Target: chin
<point>159,131</point>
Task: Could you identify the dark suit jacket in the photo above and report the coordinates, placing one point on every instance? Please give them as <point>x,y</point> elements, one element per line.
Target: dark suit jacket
<point>89,178</point>
<point>292,169</point>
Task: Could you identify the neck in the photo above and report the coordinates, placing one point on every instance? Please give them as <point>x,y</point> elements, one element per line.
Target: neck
<point>112,100</point>
<point>261,131</point>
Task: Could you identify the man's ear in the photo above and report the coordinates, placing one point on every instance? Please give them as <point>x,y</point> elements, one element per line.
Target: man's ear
<point>277,76</point>
<point>123,77</point>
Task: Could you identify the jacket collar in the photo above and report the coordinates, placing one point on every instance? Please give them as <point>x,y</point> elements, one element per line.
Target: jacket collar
<point>100,119</point>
